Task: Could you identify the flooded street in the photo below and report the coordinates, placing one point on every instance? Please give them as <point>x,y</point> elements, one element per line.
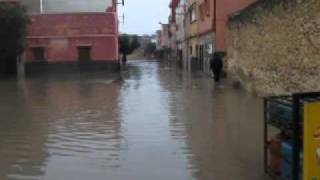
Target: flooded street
<point>156,122</point>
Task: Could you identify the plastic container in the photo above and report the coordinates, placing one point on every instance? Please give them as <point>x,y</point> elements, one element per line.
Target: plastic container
<point>275,159</point>
<point>286,151</point>
<point>287,161</point>
<point>286,170</point>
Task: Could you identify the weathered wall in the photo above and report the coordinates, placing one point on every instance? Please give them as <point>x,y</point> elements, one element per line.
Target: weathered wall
<point>274,46</point>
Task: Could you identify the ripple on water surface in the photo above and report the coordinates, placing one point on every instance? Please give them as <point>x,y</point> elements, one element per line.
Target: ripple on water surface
<point>157,122</point>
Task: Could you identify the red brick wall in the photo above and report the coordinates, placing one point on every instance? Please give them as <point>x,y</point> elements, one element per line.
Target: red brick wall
<point>61,34</point>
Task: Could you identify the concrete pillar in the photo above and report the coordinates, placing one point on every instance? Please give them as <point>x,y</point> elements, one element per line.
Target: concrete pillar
<point>20,66</point>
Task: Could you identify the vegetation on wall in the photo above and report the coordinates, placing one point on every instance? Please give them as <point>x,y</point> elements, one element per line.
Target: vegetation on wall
<point>250,14</point>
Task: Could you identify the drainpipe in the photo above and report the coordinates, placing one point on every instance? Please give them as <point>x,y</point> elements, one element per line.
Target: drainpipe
<point>215,24</point>
<point>41,6</point>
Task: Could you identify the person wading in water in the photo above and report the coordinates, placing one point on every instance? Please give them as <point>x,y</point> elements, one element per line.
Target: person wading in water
<point>124,59</point>
<point>216,66</point>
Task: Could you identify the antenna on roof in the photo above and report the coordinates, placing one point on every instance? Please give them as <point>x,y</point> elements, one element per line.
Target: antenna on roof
<point>122,18</point>
<point>122,2</point>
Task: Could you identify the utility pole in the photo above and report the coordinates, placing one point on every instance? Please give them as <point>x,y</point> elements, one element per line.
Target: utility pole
<point>122,2</point>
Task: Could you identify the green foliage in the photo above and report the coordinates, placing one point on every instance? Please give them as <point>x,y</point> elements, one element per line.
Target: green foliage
<point>163,52</point>
<point>135,44</point>
<point>13,23</point>
<point>128,44</point>
<point>124,44</point>
<point>150,48</point>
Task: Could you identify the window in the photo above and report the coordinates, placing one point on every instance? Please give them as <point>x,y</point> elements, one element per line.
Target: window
<point>38,54</point>
<point>193,13</point>
<point>202,9</point>
<point>197,50</point>
<point>207,6</point>
<point>84,53</point>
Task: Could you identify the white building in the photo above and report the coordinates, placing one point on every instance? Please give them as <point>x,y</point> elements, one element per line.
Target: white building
<point>180,32</point>
<point>61,6</point>
<point>165,39</point>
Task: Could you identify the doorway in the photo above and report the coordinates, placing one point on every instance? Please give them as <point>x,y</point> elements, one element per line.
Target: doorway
<point>38,53</point>
<point>84,53</point>
<point>201,57</point>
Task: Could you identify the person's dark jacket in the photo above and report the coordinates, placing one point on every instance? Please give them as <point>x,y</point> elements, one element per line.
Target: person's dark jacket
<point>124,59</point>
<point>216,64</point>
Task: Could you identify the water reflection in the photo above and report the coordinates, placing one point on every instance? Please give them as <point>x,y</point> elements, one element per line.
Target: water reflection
<point>152,153</point>
<point>156,122</point>
<point>22,137</point>
<point>221,128</point>
<point>60,123</point>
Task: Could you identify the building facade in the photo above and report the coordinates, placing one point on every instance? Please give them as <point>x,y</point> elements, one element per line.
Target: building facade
<point>206,33</point>
<point>223,9</point>
<point>173,29</point>
<point>165,36</point>
<point>71,35</point>
<point>180,12</point>
<point>192,33</point>
<point>199,30</point>
<point>159,39</point>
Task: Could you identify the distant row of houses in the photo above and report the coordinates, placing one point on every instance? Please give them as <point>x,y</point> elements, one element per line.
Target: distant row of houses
<point>70,33</point>
<point>196,29</point>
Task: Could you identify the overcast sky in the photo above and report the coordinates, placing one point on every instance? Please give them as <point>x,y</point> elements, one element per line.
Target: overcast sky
<point>143,16</point>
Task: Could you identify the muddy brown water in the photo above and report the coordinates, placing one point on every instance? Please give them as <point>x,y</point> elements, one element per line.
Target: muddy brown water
<point>157,122</point>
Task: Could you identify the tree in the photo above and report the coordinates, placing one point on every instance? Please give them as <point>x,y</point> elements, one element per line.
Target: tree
<point>135,44</point>
<point>150,48</point>
<point>127,45</point>
<point>13,22</point>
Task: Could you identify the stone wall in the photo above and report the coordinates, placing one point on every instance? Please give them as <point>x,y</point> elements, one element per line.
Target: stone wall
<point>274,46</point>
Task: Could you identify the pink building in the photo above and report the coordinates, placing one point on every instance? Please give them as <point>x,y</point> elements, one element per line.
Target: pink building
<point>206,17</point>
<point>73,38</point>
<point>206,33</point>
<point>173,27</point>
<point>159,39</point>
<point>223,9</point>
<point>165,36</point>
<point>173,6</point>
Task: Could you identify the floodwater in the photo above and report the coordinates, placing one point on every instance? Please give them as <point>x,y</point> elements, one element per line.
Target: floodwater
<point>157,122</point>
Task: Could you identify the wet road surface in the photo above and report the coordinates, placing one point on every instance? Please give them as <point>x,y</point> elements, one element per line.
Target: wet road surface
<point>156,122</point>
